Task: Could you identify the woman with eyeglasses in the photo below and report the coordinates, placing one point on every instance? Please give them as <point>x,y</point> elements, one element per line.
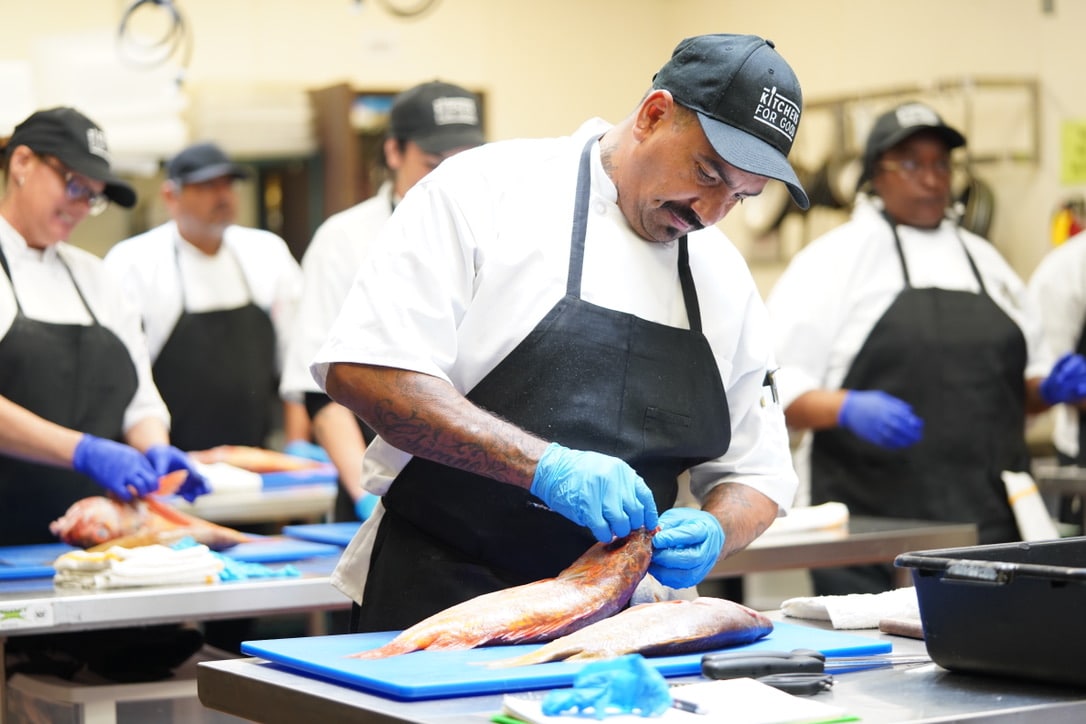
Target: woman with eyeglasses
<point>909,350</point>
<point>79,413</point>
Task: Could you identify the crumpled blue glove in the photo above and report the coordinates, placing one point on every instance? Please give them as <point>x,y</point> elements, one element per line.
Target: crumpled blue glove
<point>598,491</point>
<point>1067,380</point>
<point>117,467</point>
<point>686,547</point>
<point>624,685</point>
<point>880,418</point>
<point>363,507</point>
<point>307,450</point>
<point>167,459</point>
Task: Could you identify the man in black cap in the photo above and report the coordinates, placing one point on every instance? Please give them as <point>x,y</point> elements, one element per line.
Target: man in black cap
<point>427,124</point>
<point>217,301</point>
<point>552,331</point>
<point>916,372</point>
<point>75,378</point>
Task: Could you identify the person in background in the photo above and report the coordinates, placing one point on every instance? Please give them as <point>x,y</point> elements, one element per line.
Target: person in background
<point>1058,288</point>
<point>79,412</point>
<point>427,124</point>
<point>908,346</point>
<point>547,333</point>
<point>217,301</point>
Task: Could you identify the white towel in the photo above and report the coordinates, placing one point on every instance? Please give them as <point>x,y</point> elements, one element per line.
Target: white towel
<point>856,610</point>
<point>152,565</point>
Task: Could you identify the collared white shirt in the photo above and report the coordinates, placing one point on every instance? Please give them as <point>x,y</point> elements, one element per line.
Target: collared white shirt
<point>252,265</point>
<point>1058,288</point>
<point>46,293</point>
<point>478,252</point>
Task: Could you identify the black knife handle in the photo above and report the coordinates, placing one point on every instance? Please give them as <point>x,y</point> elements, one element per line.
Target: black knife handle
<point>723,667</point>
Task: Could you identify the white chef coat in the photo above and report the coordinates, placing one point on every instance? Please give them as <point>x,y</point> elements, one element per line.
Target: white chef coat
<point>834,290</point>
<point>328,268</point>
<point>478,252</point>
<point>46,293</point>
<point>1058,288</point>
<point>148,265</point>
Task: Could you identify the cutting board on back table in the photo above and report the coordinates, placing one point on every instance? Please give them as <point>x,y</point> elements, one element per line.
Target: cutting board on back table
<point>440,674</point>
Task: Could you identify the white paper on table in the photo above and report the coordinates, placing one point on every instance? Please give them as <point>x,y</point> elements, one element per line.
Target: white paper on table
<point>735,701</point>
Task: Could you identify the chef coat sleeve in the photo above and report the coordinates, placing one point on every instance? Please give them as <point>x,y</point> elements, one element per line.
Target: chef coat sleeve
<point>327,277</point>
<point>1057,289</point>
<point>737,326</point>
<point>411,291</point>
<point>285,299</point>
<point>807,310</point>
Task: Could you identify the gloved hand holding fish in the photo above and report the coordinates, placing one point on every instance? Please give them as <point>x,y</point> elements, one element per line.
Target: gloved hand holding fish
<point>600,492</point>
<point>574,611</point>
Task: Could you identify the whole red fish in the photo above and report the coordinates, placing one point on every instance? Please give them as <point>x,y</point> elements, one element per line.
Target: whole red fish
<point>594,586</point>
<point>99,521</point>
<point>664,628</point>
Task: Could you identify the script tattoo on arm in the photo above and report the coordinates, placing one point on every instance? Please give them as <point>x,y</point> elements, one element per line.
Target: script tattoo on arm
<point>427,417</point>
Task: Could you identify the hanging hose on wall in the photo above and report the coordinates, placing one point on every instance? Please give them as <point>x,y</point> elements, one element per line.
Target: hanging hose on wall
<point>165,34</point>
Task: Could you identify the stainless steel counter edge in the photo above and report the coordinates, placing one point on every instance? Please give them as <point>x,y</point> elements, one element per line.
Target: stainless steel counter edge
<point>55,612</point>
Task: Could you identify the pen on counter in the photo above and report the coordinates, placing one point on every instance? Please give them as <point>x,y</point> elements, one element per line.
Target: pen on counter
<point>684,705</point>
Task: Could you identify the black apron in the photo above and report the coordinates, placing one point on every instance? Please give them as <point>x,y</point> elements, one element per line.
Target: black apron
<point>960,361</point>
<point>217,375</point>
<point>586,377</point>
<point>78,376</point>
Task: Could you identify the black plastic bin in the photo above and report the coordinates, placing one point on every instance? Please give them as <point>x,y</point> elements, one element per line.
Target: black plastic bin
<point>1012,609</point>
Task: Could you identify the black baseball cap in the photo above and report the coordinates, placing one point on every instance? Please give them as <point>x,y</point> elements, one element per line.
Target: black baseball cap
<point>897,124</point>
<point>747,99</point>
<point>202,162</point>
<point>437,116</point>
<point>79,144</point>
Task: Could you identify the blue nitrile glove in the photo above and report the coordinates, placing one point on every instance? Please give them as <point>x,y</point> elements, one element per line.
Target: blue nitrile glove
<point>117,467</point>
<point>1067,380</point>
<point>307,450</point>
<point>167,459</point>
<point>598,491</point>
<point>363,507</point>
<point>625,685</point>
<point>880,418</point>
<point>686,547</point>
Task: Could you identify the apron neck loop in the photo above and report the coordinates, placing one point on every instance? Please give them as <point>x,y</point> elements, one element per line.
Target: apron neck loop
<point>961,243</point>
<point>580,219</point>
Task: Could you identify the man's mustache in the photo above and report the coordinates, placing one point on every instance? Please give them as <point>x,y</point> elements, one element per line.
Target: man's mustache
<point>686,214</point>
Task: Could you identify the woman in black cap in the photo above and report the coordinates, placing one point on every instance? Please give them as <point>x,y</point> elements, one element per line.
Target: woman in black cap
<point>74,375</point>
<point>916,370</point>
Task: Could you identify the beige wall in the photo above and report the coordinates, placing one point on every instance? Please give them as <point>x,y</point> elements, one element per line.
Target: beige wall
<point>547,65</point>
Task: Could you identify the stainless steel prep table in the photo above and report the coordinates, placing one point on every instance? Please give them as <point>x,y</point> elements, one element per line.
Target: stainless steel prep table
<point>35,607</point>
<point>867,540</point>
<point>256,690</point>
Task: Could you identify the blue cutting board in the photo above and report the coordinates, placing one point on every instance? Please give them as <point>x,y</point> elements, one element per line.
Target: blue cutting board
<point>278,549</point>
<point>36,561</point>
<point>325,473</point>
<point>30,561</point>
<point>339,534</point>
<point>440,674</point>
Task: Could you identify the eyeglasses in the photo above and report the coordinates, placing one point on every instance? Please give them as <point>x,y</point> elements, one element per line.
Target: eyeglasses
<point>75,189</point>
<point>913,170</point>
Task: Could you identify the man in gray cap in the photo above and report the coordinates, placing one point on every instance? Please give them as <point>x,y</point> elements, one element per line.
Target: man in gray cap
<point>554,331</point>
<point>427,124</point>
<point>217,301</point>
